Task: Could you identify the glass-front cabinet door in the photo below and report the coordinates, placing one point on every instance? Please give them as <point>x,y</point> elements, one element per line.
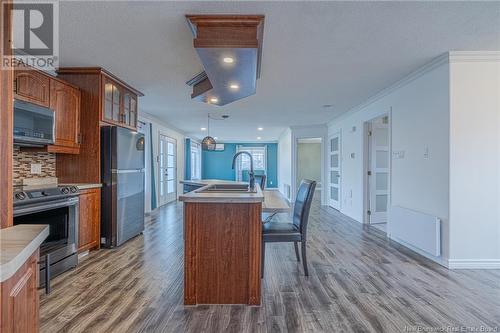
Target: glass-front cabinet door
<point>130,109</point>
<point>120,105</point>
<point>126,109</point>
<point>133,111</point>
<point>112,102</point>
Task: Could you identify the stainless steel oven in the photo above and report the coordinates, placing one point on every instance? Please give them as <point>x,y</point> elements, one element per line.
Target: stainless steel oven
<point>57,207</point>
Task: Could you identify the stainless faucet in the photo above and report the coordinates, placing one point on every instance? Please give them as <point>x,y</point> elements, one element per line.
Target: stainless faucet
<point>250,174</point>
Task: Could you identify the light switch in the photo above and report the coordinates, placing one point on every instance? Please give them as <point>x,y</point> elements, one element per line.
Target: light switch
<point>36,169</point>
<point>426,153</point>
<point>398,154</point>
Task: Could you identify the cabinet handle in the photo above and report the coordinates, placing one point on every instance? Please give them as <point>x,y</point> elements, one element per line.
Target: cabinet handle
<point>79,138</point>
<point>15,86</point>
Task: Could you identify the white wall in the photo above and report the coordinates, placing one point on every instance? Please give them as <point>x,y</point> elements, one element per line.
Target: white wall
<point>309,162</point>
<point>418,108</point>
<point>450,108</point>
<point>285,161</point>
<point>475,160</point>
<point>308,132</point>
<point>166,129</point>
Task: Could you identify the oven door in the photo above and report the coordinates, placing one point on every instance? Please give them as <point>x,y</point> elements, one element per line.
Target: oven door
<point>61,244</point>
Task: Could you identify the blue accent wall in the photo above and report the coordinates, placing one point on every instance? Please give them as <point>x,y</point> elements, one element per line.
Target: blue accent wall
<point>217,164</point>
<point>187,158</point>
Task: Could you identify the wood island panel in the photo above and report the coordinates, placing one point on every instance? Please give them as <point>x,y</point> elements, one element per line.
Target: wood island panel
<point>19,299</point>
<point>222,253</point>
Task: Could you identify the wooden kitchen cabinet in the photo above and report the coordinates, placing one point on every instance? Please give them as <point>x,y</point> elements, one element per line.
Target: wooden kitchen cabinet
<point>102,103</point>
<point>19,299</point>
<point>31,86</point>
<point>65,101</point>
<point>89,228</point>
<point>34,86</point>
<point>120,104</point>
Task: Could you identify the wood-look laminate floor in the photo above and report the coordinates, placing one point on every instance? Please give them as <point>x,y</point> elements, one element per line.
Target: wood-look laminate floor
<point>359,282</point>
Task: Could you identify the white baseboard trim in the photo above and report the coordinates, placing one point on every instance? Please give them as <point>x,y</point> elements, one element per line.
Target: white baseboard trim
<point>474,263</point>
<point>438,260</point>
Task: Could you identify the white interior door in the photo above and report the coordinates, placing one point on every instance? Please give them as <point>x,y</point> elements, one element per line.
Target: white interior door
<point>379,170</point>
<point>334,162</point>
<point>167,169</point>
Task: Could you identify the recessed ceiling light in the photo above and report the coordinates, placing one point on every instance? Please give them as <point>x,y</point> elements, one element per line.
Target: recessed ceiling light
<point>228,60</point>
<point>258,138</point>
<point>260,128</point>
<point>203,128</point>
<point>234,86</point>
<point>214,99</point>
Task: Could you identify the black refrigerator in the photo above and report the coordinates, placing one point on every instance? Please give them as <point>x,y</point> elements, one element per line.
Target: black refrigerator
<point>122,173</point>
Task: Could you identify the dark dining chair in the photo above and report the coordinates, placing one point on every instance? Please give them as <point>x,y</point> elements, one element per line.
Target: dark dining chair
<point>296,231</point>
<point>262,181</point>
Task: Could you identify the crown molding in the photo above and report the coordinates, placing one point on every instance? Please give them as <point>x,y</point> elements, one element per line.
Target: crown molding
<point>445,58</point>
<point>434,63</point>
<point>474,56</point>
<point>158,121</point>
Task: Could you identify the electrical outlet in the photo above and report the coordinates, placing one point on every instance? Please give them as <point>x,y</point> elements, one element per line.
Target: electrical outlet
<point>36,169</point>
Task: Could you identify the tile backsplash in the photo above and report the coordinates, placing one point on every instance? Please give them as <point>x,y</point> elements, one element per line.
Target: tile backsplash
<point>23,161</point>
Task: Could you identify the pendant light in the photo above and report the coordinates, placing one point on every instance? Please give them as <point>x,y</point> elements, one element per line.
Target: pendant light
<point>208,143</point>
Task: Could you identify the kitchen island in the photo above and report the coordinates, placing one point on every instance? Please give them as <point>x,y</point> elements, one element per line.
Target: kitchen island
<point>222,244</point>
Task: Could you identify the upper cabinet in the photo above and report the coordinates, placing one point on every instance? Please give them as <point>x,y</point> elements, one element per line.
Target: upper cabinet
<point>105,100</point>
<point>37,87</point>
<point>120,103</point>
<point>32,86</point>
<point>65,101</point>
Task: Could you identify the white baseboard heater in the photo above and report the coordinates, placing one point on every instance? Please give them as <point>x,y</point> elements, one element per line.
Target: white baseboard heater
<point>422,231</point>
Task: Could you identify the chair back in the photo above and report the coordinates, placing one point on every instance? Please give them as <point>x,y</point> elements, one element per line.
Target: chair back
<point>302,206</point>
<point>262,181</point>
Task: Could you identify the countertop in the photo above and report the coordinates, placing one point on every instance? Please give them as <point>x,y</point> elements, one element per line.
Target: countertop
<point>196,196</point>
<point>17,244</point>
<point>84,186</point>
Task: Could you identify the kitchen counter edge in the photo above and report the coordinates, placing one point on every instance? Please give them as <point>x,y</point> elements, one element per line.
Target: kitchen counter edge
<point>17,244</point>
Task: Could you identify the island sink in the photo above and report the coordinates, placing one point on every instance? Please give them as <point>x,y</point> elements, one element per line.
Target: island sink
<point>224,188</point>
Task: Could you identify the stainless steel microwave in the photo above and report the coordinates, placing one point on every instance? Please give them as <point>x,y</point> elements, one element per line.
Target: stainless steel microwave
<point>34,125</point>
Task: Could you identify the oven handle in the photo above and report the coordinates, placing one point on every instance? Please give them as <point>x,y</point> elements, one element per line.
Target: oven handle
<point>46,206</point>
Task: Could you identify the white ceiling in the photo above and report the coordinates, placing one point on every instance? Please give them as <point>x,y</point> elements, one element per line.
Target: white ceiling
<point>314,53</point>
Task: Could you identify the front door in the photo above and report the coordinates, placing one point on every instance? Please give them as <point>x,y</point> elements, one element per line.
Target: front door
<point>378,169</point>
<point>167,170</point>
<point>334,171</point>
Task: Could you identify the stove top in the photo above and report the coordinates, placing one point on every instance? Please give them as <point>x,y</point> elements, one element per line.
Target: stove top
<point>31,194</point>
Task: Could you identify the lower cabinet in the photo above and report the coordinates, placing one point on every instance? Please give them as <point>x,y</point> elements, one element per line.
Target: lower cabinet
<point>89,224</point>
<point>19,299</point>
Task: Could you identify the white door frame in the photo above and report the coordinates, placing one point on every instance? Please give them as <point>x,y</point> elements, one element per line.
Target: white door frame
<point>366,165</point>
<point>162,200</point>
<point>330,201</point>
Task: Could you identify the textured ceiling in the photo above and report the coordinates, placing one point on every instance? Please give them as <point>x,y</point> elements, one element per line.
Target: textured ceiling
<point>314,53</point>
